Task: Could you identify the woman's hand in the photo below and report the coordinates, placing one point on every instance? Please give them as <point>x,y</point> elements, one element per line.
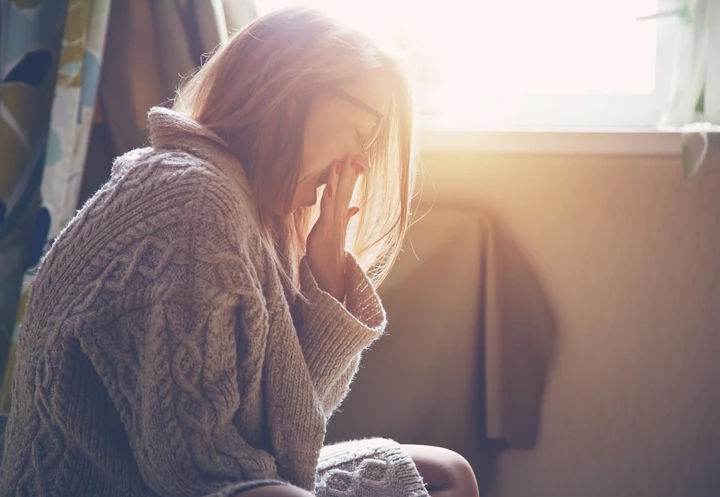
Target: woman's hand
<point>326,241</point>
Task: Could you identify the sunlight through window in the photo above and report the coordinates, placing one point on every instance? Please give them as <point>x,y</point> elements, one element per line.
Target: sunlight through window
<point>482,63</point>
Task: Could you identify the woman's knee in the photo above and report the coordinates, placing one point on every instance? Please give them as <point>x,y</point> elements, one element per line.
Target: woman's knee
<point>443,468</point>
<point>276,491</point>
<point>463,475</point>
<point>460,466</point>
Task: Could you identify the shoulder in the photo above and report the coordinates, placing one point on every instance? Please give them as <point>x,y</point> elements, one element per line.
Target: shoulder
<point>172,196</point>
<point>217,207</point>
<point>152,164</point>
<point>174,173</point>
<point>163,218</point>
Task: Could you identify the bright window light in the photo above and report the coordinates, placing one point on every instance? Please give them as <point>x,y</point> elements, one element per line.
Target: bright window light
<point>525,63</point>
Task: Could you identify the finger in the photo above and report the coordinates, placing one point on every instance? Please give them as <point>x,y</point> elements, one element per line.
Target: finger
<point>352,211</point>
<point>327,203</point>
<point>346,183</point>
<point>334,187</point>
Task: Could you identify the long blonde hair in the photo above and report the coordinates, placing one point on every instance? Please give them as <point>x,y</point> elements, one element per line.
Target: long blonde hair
<point>243,92</point>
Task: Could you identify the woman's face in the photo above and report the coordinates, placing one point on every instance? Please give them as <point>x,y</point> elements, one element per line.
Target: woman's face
<point>335,130</point>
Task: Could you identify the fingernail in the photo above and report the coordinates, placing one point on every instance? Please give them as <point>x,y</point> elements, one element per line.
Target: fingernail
<point>359,165</point>
<point>328,189</point>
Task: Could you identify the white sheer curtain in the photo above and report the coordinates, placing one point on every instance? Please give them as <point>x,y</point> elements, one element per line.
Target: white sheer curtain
<point>694,105</point>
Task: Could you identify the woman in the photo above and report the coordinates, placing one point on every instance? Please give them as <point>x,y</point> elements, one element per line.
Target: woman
<point>196,324</point>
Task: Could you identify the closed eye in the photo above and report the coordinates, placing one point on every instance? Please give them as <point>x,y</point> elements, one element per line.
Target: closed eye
<point>359,137</point>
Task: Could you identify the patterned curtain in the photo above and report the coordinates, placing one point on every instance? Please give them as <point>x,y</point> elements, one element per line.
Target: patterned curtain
<point>50,56</point>
<point>50,60</point>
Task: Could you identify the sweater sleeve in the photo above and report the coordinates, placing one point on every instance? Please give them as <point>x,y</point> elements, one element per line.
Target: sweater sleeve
<point>339,389</point>
<point>179,393</point>
<point>332,335</point>
<point>174,355</point>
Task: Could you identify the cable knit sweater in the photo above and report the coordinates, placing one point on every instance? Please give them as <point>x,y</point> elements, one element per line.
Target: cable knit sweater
<point>160,353</point>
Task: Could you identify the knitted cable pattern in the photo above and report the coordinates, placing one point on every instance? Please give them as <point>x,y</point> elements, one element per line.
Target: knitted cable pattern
<point>367,467</point>
<point>159,354</point>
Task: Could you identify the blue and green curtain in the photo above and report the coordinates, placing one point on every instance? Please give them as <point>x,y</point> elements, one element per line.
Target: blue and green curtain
<point>67,65</point>
<point>50,56</point>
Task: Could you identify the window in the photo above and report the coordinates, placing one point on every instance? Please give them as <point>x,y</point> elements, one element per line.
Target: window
<point>555,64</point>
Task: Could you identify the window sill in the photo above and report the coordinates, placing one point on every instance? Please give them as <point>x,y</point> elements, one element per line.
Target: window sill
<point>627,141</point>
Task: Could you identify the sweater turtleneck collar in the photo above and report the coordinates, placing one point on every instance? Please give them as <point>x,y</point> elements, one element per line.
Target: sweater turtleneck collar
<point>170,129</point>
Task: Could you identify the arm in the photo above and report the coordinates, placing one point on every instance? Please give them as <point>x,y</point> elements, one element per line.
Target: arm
<point>171,371</point>
<point>167,352</point>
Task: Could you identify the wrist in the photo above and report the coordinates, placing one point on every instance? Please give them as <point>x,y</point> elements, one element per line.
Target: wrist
<point>333,284</point>
<point>338,291</point>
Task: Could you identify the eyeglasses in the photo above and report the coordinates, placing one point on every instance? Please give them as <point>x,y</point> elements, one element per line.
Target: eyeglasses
<point>379,117</point>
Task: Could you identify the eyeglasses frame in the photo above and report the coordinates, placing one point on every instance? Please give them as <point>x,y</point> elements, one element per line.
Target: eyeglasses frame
<point>379,116</point>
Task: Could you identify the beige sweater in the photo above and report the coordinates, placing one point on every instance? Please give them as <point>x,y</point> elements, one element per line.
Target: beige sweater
<point>159,354</point>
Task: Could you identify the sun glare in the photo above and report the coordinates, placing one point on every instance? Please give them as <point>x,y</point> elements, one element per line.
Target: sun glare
<point>467,52</point>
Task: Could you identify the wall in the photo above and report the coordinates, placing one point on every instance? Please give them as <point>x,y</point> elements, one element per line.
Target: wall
<point>628,254</point>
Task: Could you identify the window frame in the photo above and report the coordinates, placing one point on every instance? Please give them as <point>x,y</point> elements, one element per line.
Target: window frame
<point>570,111</point>
<point>633,134</point>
